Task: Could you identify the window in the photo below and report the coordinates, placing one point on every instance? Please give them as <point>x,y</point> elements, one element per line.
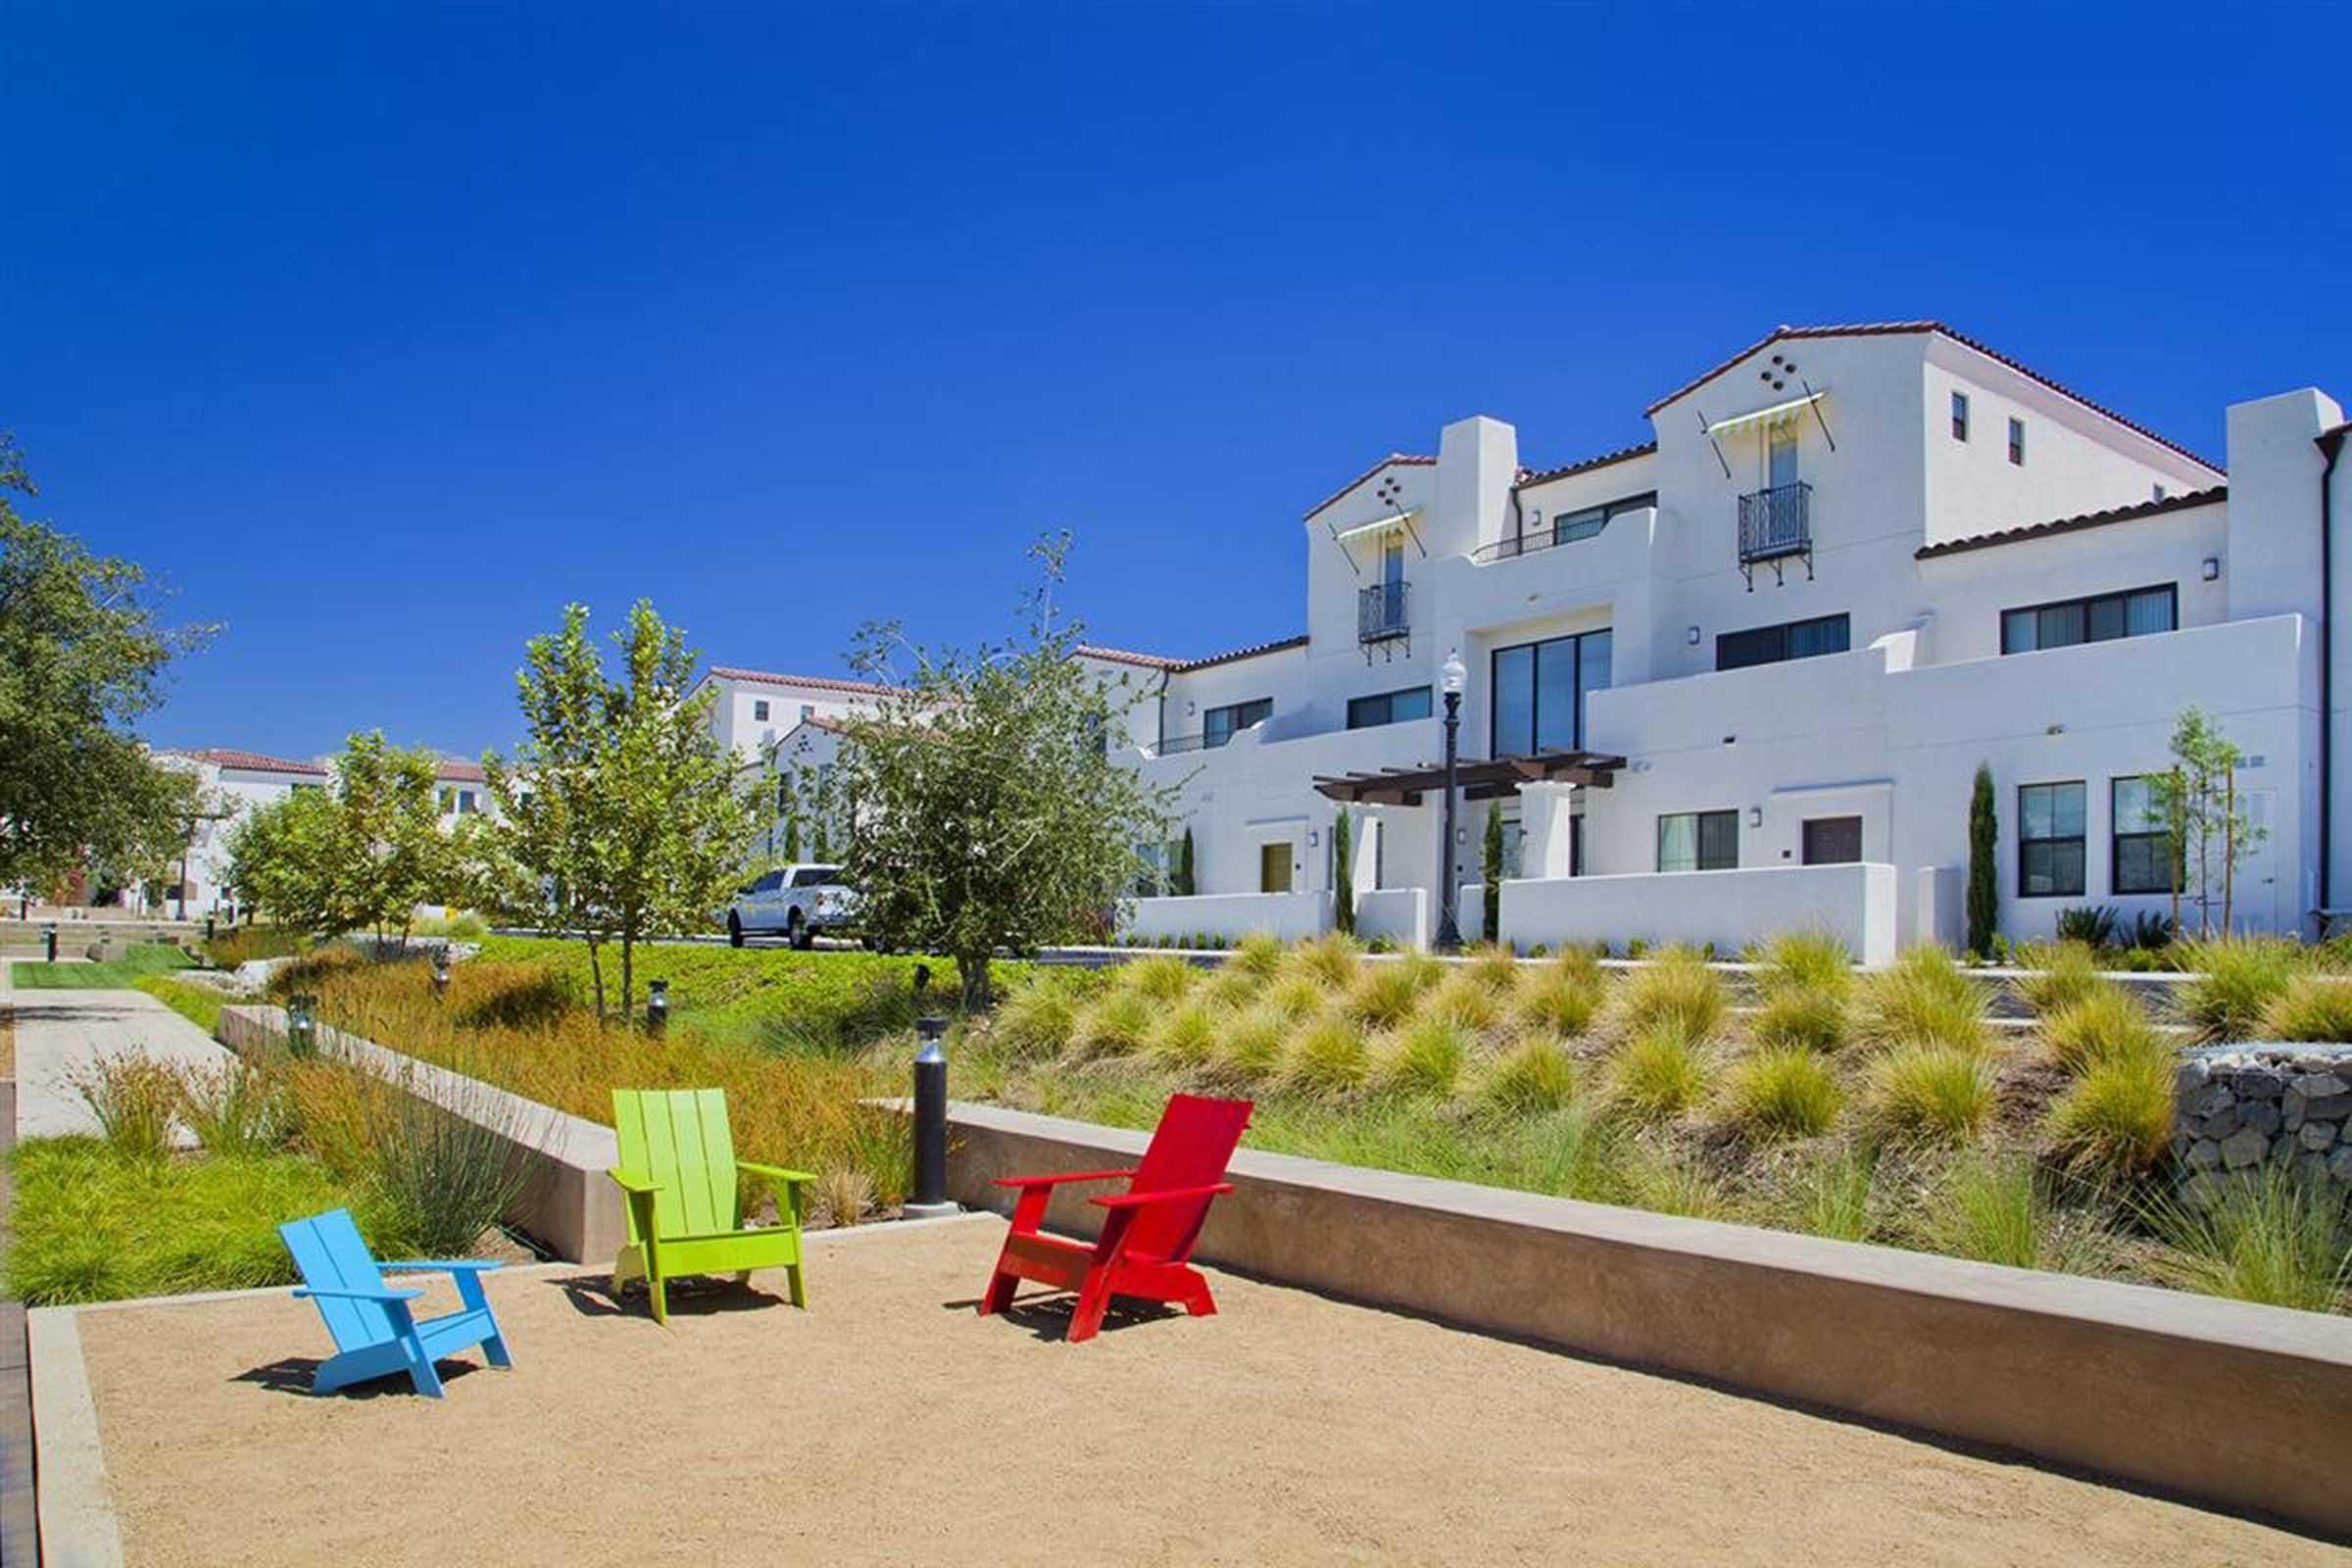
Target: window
<point>466,803</point>
<point>1833,840</point>
<point>2017,442</point>
<point>1150,873</point>
<point>2155,492</point>
<point>445,799</point>
<point>808,712</point>
<point>1698,841</point>
<point>760,713</point>
<point>2139,858</point>
<point>1959,416</point>
<point>1274,868</point>
<point>815,876</point>
<point>2049,840</point>
<point>1770,644</point>
<point>1570,526</point>
<point>1389,707</point>
<point>2101,618</point>
<point>1779,457</point>
<point>1539,691</point>
<point>1219,725</point>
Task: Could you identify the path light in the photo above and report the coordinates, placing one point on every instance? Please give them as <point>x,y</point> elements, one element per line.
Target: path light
<point>930,1200</point>
<point>49,935</point>
<point>657,1007</point>
<point>440,973</point>
<point>208,928</point>
<point>302,1024</point>
<point>1450,931</point>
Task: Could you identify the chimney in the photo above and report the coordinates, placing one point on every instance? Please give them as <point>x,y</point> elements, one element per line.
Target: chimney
<point>2274,463</point>
<point>1478,461</point>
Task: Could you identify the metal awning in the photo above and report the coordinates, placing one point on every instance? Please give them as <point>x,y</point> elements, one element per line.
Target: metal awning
<point>1769,415</point>
<point>1480,779</point>
<point>1394,520</point>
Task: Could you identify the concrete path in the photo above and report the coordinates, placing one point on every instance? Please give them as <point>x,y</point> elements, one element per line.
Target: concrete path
<point>61,1031</point>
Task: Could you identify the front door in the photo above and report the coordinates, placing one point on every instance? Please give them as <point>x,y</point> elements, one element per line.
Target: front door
<point>1274,868</point>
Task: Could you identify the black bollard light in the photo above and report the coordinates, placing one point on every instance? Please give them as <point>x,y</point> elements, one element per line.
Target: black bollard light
<point>302,1024</point>
<point>208,928</point>
<point>440,973</point>
<point>49,935</point>
<point>657,1007</point>
<point>930,1200</point>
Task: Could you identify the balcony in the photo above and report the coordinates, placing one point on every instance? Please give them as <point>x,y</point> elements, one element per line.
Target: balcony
<point>1775,524</point>
<point>1380,612</point>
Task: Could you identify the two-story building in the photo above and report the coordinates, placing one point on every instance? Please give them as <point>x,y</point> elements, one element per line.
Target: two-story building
<point>232,784</point>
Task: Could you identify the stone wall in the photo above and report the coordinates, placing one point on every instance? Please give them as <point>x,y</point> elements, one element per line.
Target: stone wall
<point>2244,1107</point>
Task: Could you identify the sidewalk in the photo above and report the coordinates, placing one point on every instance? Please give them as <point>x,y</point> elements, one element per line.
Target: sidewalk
<point>59,1032</point>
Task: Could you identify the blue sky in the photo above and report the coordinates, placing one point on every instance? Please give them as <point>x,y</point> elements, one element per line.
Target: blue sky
<point>382,333</point>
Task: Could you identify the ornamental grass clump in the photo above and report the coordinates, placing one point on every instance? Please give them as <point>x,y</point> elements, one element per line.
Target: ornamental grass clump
<point>1556,1002</point>
<point>134,1099</point>
<point>2236,979</point>
<point>1297,996</point>
<point>1810,961</point>
<point>1037,1021</point>
<point>1782,1092</point>
<point>1186,1036</point>
<point>1118,1024</point>
<point>1677,992</point>
<point>1463,1002</point>
<point>2313,1006</point>
<point>1533,1077</point>
<point>1332,960</point>
<point>1259,954</point>
<point>2270,1238</point>
<point>2116,1119</point>
<point>1931,1092</point>
<point>2058,977</point>
<point>1424,1057</point>
<point>1801,1018</point>
<point>1328,1058</point>
<point>1659,1074</point>
<point>1836,1195</point>
<point>1384,995</point>
<point>1161,977</point>
<point>1252,1044</point>
<point>2104,1024</point>
<point>1231,987</point>
<point>1992,1210</point>
<point>235,1108</point>
<point>1924,997</point>
<point>1493,966</point>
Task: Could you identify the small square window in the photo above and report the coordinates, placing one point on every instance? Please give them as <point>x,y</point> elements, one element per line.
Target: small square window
<point>1959,416</point>
<point>760,713</point>
<point>2017,442</point>
<point>808,712</point>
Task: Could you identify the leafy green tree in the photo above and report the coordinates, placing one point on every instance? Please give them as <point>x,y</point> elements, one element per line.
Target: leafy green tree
<point>622,817</point>
<point>1984,849</point>
<point>1343,873</point>
<point>2210,830</point>
<point>1490,868</point>
<point>984,813</point>
<point>82,654</point>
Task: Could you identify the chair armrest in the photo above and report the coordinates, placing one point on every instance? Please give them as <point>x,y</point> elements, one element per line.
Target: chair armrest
<point>1170,1195</point>
<point>775,1173</point>
<point>1026,1182</point>
<point>449,1265</point>
<point>631,1180</point>
<point>301,1290</point>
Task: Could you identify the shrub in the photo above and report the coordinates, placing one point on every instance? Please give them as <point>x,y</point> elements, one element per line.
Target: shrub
<point>1805,961</point>
<point>1833,1197</point>
<point>1534,1076</point>
<point>1676,992</point>
<point>2268,1238</point>
<point>1037,1020</point>
<point>1425,1058</point>
<point>1464,1002</point>
<point>1187,1035</point>
<point>1992,1210</point>
<point>2237,978</point>
<point>1492,966</point>
<point>1160,977</point>
<point>444,1173</point>
<point>1328,1058</point>
<point>133,1096</point>
<point>2087,925</point>
<point>1258,953</point>
<point>1659,1074</point>
<point>245,944</point>
<point>235,1108</point>
<point>1784,1092</point>
<point>1297,996</point>
<point>1798,1017</point>
<point>2059,977</point>
<point>2311,1008</point>
<point>1252,1044</point>
<point>1117,1025</point>
<point>1384,994</point>
<point>2117,1118</point>
<point>842,1195</point>
<point>1931,1092</point>
<point>2105,1024</point>
<point>1924,997</point>
<point>1556,1001</point>
<point>1330,959</point>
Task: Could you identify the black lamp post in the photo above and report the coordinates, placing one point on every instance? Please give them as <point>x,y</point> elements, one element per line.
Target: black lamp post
<point>657,1008</point>
<point>930,1199</point>
<point>1450,931</point>
<point>302,1024</point>
<point>440,973</point>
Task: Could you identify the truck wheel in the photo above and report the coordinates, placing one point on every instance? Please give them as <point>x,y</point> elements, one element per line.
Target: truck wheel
<point>734,931</point>
<point>797,932</point>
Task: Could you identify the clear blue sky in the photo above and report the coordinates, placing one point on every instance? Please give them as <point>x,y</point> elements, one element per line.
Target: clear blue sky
<point>383,334</point>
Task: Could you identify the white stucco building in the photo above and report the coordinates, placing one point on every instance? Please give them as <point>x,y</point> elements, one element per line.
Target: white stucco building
<point>236,783</point>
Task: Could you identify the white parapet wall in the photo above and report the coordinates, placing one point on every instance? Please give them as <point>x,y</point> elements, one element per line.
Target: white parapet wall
<point>1399,914</point>
<point>1291,916</point>
<point>1856,903</point>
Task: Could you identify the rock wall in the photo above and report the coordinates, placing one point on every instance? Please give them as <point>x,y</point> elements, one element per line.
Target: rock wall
<point>2242,1106</point>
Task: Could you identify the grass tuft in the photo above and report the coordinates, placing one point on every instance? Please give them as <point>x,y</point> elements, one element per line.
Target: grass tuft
<point>1187,1035</point>
<point>1425,1058</point>
<point>1384,995</point>
<point>1675,991</point>
<point>135,1100</point>
<point>1161,977</point>
<point>1037,1021</point>
<point>1801,1018</point>
<point>1330,959</point>
<point>2273,1239</point>
<point>1259,954</point>
<point>2117,1117</point>
<point>1784,1092</point>
<point>1251,1046</point>
<point>1118,1024</point>
<point>1464,1002</point>
<point>1992,1210</point>
<point>1494,966</point>
<point>2238,979</point>
<point>1925,998</point>
<point>2059,977</point>
<point>1659,1074</point>
<point>1328,1058</point>
<point>1811,961</point>
<point>2104,1024</point>
<point>1931,1092</point>
<point>1533,1077</point>
<point>2311,1008</point>
<point>1554,1001</point>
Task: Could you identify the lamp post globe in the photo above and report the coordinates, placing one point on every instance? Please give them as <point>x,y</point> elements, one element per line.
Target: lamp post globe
<point>1450,932</point>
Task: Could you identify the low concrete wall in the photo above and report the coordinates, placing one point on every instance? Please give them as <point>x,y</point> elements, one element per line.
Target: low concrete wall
<point>568,1204</point>
<point>2249,1408</point>
<point>1233,915</point>
<point>1401,915</point>
<point>1856,904</point>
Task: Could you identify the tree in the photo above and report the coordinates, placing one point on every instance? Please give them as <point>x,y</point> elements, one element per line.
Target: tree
<point>1181,884</point>
<point>622,815</point>
<point>2198,801</point>
<point>1343,873</point>
<point>983,812</point>
<point>1984,848</point>
<point>1491,867</point>
<point>792,838</point>
<point>82,653</point>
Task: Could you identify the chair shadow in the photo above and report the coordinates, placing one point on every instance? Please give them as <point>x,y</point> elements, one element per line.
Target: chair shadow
<point>1047,1316</point>
<point>696,1296</point>
<point>292,1374</point>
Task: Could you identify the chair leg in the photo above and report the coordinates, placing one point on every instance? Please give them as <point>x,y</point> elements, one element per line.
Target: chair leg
<point>798,1287</point>
<point>421,1371</point>
<point>999,1295</point>
<point>1196,1299</point>
<point>1093,1297</point>
<point>494,1350</point>
<point>658,1296</point>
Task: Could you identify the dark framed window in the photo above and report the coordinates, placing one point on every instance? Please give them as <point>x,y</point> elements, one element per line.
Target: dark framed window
<point>2017,442</point>
<point>1569,526</point>
<point>2049,840</point>
<point>1388,707</point>
<point>759,711</point>
<point>1219,725</point>
<point>2141,857</point>
<point>2102,617</point>
<point>1770,644</point>
<point>1539,691</point>
<point>1959,416</point>
<point>1833,840</point>
<point>1698,841</point>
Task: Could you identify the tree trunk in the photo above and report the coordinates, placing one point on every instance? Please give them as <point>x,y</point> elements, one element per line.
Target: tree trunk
<point>971,970</point>
<point>596,977</point>
<point>2228,850</point>
<point>629,944</point>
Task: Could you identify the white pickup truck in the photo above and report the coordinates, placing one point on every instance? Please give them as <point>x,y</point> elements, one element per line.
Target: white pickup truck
<point>795,902</point>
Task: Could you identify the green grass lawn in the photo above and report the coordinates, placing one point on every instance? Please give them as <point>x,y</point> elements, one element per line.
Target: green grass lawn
<point>200,1005</point>
<point>115,974</point>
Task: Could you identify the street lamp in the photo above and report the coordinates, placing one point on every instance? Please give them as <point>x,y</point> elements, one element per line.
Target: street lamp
<point>1450,932</point>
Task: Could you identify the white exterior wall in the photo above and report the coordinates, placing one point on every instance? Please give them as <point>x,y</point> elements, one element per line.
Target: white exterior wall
<point>239,792</point>
<point>734,712</point>
<point>1854,904</point>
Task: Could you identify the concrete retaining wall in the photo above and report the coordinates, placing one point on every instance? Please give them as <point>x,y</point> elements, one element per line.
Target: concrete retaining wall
<point>1401,915</point>
<point>1290,916</point>
<point>1856,903</point>
<point>2249,1408</point>
<point>568,1204</point>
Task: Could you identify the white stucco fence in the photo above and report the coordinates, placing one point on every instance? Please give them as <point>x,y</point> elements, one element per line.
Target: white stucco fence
<point>1856,903</point>
<point>1291,916</point>
<point>1401,915</point>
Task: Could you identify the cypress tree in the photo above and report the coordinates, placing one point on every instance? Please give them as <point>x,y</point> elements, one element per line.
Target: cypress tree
<point>1342,874</point>
<point>1493,868</point>
<point>1984,886</point>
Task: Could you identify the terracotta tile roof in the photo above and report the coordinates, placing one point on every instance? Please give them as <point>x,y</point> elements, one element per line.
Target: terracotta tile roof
<point>1780,334</point>
<point>1280,645</point>
<point>1621,454</point>
<point>1122,655</point>
<point>2089,519</point>
<point>826,683</point>
<point>250,761</point>
<point>457,770</point>
<point>1409,459</point>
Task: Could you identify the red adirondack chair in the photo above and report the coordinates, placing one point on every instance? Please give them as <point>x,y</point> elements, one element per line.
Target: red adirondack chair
<point>1148,1233</point>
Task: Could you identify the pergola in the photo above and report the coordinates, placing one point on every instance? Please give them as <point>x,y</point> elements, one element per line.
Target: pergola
<point>1480,779</point>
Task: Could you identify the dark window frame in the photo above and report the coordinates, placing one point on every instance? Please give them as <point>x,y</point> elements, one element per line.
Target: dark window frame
<point>1535,718</point>
<point>1805,837</point>
<point>1698,838</point>
<point>1959,416</point>
<point>1388,711</point>
<point>2017,441</point>
<point>2120,597</point>
<point>2081,840</point>
<point>1243,718</point>
<point>758,710</point>
<point>2118,839</point>
<point>1784,632</point>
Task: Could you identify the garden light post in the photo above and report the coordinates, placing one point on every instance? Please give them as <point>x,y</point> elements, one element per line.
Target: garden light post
<point>441,973</point>
<point>657,1008</point>
<point>930,1200</point>
<point>302,1024</point>
<point>49,935</point>
<point>1450,932</point>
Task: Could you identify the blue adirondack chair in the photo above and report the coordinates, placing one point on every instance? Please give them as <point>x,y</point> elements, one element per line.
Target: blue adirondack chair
<point>374,1334</point>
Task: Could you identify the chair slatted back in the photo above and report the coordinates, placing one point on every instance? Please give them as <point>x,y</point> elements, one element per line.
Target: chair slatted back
<point>678,1139</point>
<point>1190,1148</point>
<point>327,1250</point>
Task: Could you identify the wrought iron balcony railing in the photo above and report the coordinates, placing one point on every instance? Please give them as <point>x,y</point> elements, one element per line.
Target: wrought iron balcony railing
<point>1380,612</point>
<point>1775,523</point>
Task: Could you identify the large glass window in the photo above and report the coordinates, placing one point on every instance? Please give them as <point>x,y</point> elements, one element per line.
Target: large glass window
<point>1770,644</point>
<point>1539,693</point>
<point>2141,857</point>
<point>1959,416</point>
<point>2049,840</point>
<point>2100,618</point>
<point>1219,725</point>
<point>1779,457</point>
<point>1388,707</point>
<point>1698,841</point>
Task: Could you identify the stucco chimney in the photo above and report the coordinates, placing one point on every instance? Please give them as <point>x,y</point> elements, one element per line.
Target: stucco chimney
<point>2274,468</point>
<point>1478,460</point>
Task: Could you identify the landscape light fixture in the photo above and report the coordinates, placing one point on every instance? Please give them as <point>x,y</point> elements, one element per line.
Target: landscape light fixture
<point>930,1199</point>
<point>657,1008</point>
<point>302,1024</point>
<point>1450,675</point>
<point>440,973</point>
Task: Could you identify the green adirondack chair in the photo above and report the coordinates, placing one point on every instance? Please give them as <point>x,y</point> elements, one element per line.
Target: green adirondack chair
<point>678,1169</point>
